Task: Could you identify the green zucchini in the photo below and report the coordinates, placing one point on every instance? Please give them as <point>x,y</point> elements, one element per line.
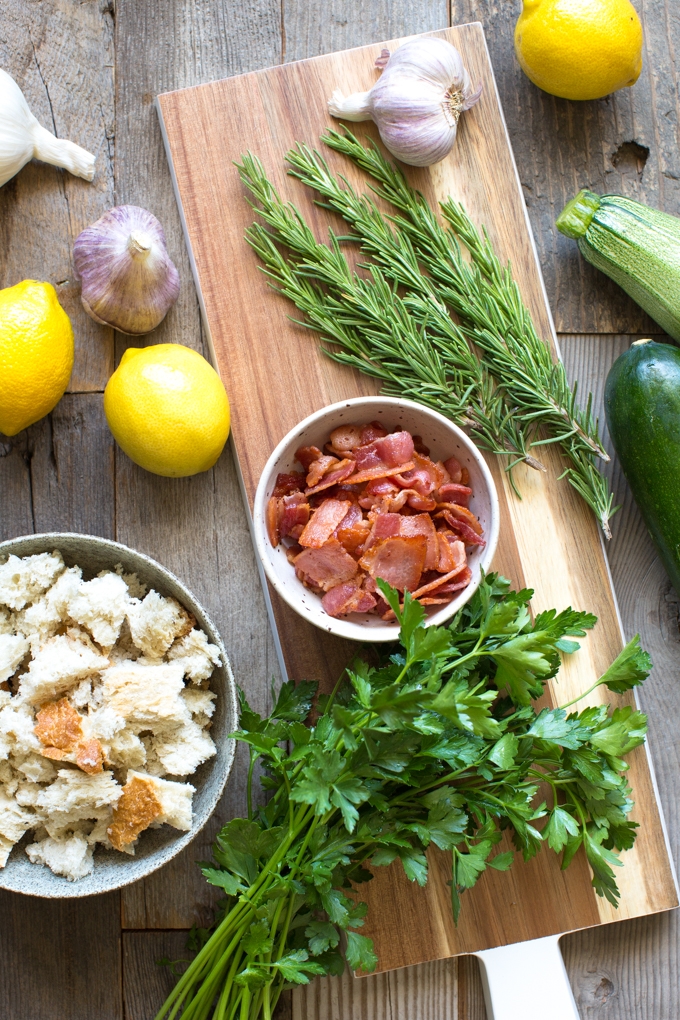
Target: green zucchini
<point>642,405</point>
<point>637,246</point>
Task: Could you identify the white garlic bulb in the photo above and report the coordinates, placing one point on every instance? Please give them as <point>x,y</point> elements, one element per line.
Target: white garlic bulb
<point>23,138</point>
<point>128,279</point>
<point>416,102</point>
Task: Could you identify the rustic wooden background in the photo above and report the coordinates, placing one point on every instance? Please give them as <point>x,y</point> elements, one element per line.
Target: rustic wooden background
<point>90,71</point>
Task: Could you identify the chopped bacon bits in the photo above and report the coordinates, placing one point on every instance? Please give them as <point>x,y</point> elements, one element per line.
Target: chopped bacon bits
<point>373,505</point>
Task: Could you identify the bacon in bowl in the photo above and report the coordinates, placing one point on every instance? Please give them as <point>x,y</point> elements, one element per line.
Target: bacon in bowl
<point>374,505</point>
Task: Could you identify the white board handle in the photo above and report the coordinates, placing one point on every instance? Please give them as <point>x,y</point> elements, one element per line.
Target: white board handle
<point>527,981</point>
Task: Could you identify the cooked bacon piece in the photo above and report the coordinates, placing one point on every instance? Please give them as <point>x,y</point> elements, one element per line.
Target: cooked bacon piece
<point>422,524</point>
<point>420,447</point>
<point>375,492</point>
<point>272,515</point>
<point>348,598</point>
<point>353,530</point>
<point>292,482</point>
<point>469,536</point>
<point>325,567</point>
<point>373,474</point>
<point>460,580</point>
<point>374,430</point>
<point>424,478</point>
<point>306,455</point>
<point>417,502</point>
<point>441,584</point>
<point>294,515</point>
<point>292,552</point>
<point>393,451</point>
<point>435,602</point>
<point>454,469</point>
<point>451,492</point>
<point>462,513</point>
<point>338,473</point>
<point>451,552</point>
<point>318,468</point>
<point>345,438</point>
<point>398,560</point>
<point>323,523</point>
<point>464,476</point>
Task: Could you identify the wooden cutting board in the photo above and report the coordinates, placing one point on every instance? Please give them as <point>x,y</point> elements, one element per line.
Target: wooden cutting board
<point>275,376</point>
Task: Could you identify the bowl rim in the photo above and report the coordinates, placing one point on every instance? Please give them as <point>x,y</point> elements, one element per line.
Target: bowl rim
<point>167,853</point>
<point>345,628</point>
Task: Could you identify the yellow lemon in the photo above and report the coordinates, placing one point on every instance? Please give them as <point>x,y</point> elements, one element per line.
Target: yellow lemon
<point>579,49</point>
<point>36,354</point>
<point>167,409</point>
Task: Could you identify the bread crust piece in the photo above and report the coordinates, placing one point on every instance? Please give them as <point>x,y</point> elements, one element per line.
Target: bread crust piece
<point>59,727</point>
<point>137,808</point>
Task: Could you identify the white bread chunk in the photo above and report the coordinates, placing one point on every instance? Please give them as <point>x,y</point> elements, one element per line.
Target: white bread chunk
<point>100,605</point>
<point>37,769</point>
<point>201,704</point>
<point>156,622</point>
<point>15,820</point>
<point>75,795</point>
<point>197,655</point>
<point>70,857</point>
<point>6,621</point>
<point>22,579</point>
<point>60,663</point>
<point>5,850</point>
<point>136,589</point>
<point>184,749</point>
<point>13,648</point>
<point>174,798</point>
<point>46,615</point>
<point>16,726</point>
<point>125,751</point>
<point>147,697</point>
<point>124,650</point>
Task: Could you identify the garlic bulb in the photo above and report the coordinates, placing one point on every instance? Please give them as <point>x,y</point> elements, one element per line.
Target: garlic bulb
<point>22,138</point>
<point>128,280</point>
<point>416,102</point>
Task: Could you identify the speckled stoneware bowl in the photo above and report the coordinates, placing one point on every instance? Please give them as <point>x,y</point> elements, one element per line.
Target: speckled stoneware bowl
<point>156,846</point>
<point>444,439</point>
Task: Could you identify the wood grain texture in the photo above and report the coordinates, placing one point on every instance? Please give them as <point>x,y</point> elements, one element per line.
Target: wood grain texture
<point>60,958</point>
<point>562,146</point>
<point>61,56</point>
<point>194,526</point>
<point>248,327</point>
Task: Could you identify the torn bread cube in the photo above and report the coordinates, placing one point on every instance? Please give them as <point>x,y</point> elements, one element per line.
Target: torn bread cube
<point>201,704</point>
<point>13,649</point>
<point>5,850</point>
<point>16,727</point>
<point>70,856</point>
<point>100,605</point>
<point>59,728</point>
<point>15,819</point>
<point>136,588</point>
<point>22,579</point>
<point>75,795</point>
<point>181,751</point>
<point>49,613</point>
<point>197,655</point>
<point>7,625</point>
<point>156,622</point>
<point>36,768</point>
<point>147,800</point>
<point>60,663</point>
<point>147,697</point>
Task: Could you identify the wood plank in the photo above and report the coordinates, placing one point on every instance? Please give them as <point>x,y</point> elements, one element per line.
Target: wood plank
<point>246,324</point>
<point>194,526</point>
<point>60,958</point>
<point>61,56</point>
<point>562,146</point>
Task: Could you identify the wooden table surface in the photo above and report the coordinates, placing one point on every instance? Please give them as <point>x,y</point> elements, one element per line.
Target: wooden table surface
<point>90,71</point>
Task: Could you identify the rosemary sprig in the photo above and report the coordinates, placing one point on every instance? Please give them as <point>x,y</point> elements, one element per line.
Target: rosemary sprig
<point>481,292</point>
<point>423,356</point>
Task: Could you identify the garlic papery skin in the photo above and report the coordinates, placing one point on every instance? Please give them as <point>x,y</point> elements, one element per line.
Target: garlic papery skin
<point>128,279</point>
<point>417,101</point>
<point>23,138</point>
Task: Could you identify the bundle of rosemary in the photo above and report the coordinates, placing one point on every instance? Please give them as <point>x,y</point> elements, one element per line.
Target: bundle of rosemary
<point>438,744</point>
<point>486,369</point>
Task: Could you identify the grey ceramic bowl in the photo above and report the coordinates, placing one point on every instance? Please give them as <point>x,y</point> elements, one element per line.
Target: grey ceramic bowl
<point>156,846</point>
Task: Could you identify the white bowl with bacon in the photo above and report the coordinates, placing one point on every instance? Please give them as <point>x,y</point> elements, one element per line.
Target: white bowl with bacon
<point>334,513</point>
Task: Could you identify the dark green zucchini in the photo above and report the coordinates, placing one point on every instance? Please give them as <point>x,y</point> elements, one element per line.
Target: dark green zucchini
<point>642,403</point>
<point>637,246</point>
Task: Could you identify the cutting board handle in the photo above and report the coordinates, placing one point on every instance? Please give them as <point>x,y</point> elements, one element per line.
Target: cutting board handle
<point>527,981</point>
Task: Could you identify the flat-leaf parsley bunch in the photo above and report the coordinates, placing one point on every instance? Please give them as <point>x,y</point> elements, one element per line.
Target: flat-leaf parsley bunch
<point>439,744</point>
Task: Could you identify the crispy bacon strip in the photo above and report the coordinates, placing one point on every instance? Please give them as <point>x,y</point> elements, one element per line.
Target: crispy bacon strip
<point>338,474</point>
<point>323,523</point>
<point>398,560</point>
